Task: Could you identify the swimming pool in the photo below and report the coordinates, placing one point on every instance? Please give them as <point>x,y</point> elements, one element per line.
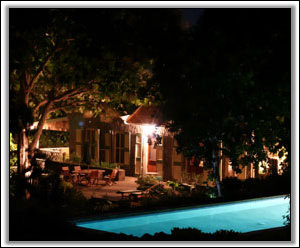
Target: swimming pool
<point>243,216</point>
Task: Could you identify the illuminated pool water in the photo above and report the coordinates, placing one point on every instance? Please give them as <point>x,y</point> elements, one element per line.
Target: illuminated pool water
<point>244,216</point>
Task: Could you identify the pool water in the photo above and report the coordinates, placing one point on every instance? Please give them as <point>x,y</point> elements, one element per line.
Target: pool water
<point>244,216</point>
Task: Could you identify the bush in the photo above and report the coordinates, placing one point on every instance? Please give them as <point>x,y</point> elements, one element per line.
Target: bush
<point>146,181</point>
<point>108,165</point>
<point>51,138</point>
<point>193,234</point>
<point>192,178</point>
<point>74,158</point>
<point>13,159</point>
<point>231,188</point>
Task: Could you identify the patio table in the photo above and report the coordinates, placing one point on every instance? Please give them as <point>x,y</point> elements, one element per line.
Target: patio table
<point>127,193</point>
<point>82,174</point>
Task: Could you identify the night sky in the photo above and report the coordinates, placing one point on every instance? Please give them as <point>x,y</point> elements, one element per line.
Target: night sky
<point>192,15</point>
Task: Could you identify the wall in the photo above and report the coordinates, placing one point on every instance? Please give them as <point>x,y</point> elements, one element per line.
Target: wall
<point>59,153</point>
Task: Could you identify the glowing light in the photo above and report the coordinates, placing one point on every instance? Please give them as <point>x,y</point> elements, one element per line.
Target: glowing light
<point>148,129</point>
<point>124,118</point>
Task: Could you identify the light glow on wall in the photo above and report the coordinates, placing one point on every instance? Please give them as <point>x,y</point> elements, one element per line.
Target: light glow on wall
<point>124,118</point>
<point>148,129</point>
<point>262,167</point>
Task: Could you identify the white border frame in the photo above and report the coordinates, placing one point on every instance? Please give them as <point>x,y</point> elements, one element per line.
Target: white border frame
<point>5,5</point>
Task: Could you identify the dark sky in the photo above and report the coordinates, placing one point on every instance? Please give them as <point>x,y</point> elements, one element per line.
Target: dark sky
<point>192,15</point>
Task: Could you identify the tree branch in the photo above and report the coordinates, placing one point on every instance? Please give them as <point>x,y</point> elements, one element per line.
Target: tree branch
<point>69,94</point>
<point>41,69</point>
<point>36,108</point>
<point>73,92</point>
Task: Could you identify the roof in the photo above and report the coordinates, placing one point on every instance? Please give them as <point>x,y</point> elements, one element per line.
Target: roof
<point>146,115</point>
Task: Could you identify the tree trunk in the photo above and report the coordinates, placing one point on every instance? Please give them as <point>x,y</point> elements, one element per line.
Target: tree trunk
<point>40,126</point>
<point>23,162</point>
<point>216,171</point>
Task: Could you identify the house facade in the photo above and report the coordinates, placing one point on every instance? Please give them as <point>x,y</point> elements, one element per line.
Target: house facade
<point>131,142</point>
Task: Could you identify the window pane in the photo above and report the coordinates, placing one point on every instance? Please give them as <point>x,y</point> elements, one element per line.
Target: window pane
<point>117,140</point>
<point>107,139</point>
<point>102,155</point>
<point>93,151</point>
<point>122,156</point>
<point>93,136</point>
<point>102,140</point>
<point>117,155</point>
<point>122,140</point>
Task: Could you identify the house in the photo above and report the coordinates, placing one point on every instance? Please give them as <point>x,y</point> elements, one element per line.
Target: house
<point>131,142</point>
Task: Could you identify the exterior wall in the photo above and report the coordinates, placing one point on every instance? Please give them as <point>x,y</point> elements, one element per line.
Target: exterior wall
<point>132,156</point>
<point>167,157</point>
<point>169,164</point>
<point>178,162</point>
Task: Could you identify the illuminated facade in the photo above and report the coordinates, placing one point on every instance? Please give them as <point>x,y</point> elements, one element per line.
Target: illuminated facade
<point>131,142</point>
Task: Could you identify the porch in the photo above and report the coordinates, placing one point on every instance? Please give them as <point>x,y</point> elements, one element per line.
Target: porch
<point>108,192</point>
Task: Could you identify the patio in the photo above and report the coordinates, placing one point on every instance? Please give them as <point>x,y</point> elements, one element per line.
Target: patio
<point>109,192</point>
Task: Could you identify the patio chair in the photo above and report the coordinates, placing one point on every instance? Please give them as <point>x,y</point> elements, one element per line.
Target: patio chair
<point>76,173</point>
<point>67,176</point>
<point>110,180</point>
<point>77,168</point>
<point>93,177</point>
<point>151,192</point>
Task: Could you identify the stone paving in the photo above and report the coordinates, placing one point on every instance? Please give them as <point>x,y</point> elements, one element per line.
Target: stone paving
<point>109,192</point>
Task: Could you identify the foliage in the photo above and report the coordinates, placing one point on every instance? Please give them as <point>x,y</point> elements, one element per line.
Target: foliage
<point>145,181</point>
<point>227,92</point>
<point>66,185</point>
<point>231,187</point>
<point>192,178</point>
<point>193,234</point>
<point>51,138</point>
<point>60,64</point>
<point>74,158</point>
<point>234,189</point>
<point>102,205</point>
<point>109,165</point>
<point>174,185</point>
<point>12,151</point>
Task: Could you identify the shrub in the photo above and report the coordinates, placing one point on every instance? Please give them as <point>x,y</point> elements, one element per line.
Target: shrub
<point>12,152</point>
<point>146,181</point>
<point>74,158</point>
<point>231,187</point>
<point>193,234</point>
<point>109,165</point>
<point>192,178</point>
<point>51,138</point>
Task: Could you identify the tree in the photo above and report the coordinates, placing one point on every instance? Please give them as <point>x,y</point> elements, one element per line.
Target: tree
<point>231,87</point>
<point>63,60</point>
